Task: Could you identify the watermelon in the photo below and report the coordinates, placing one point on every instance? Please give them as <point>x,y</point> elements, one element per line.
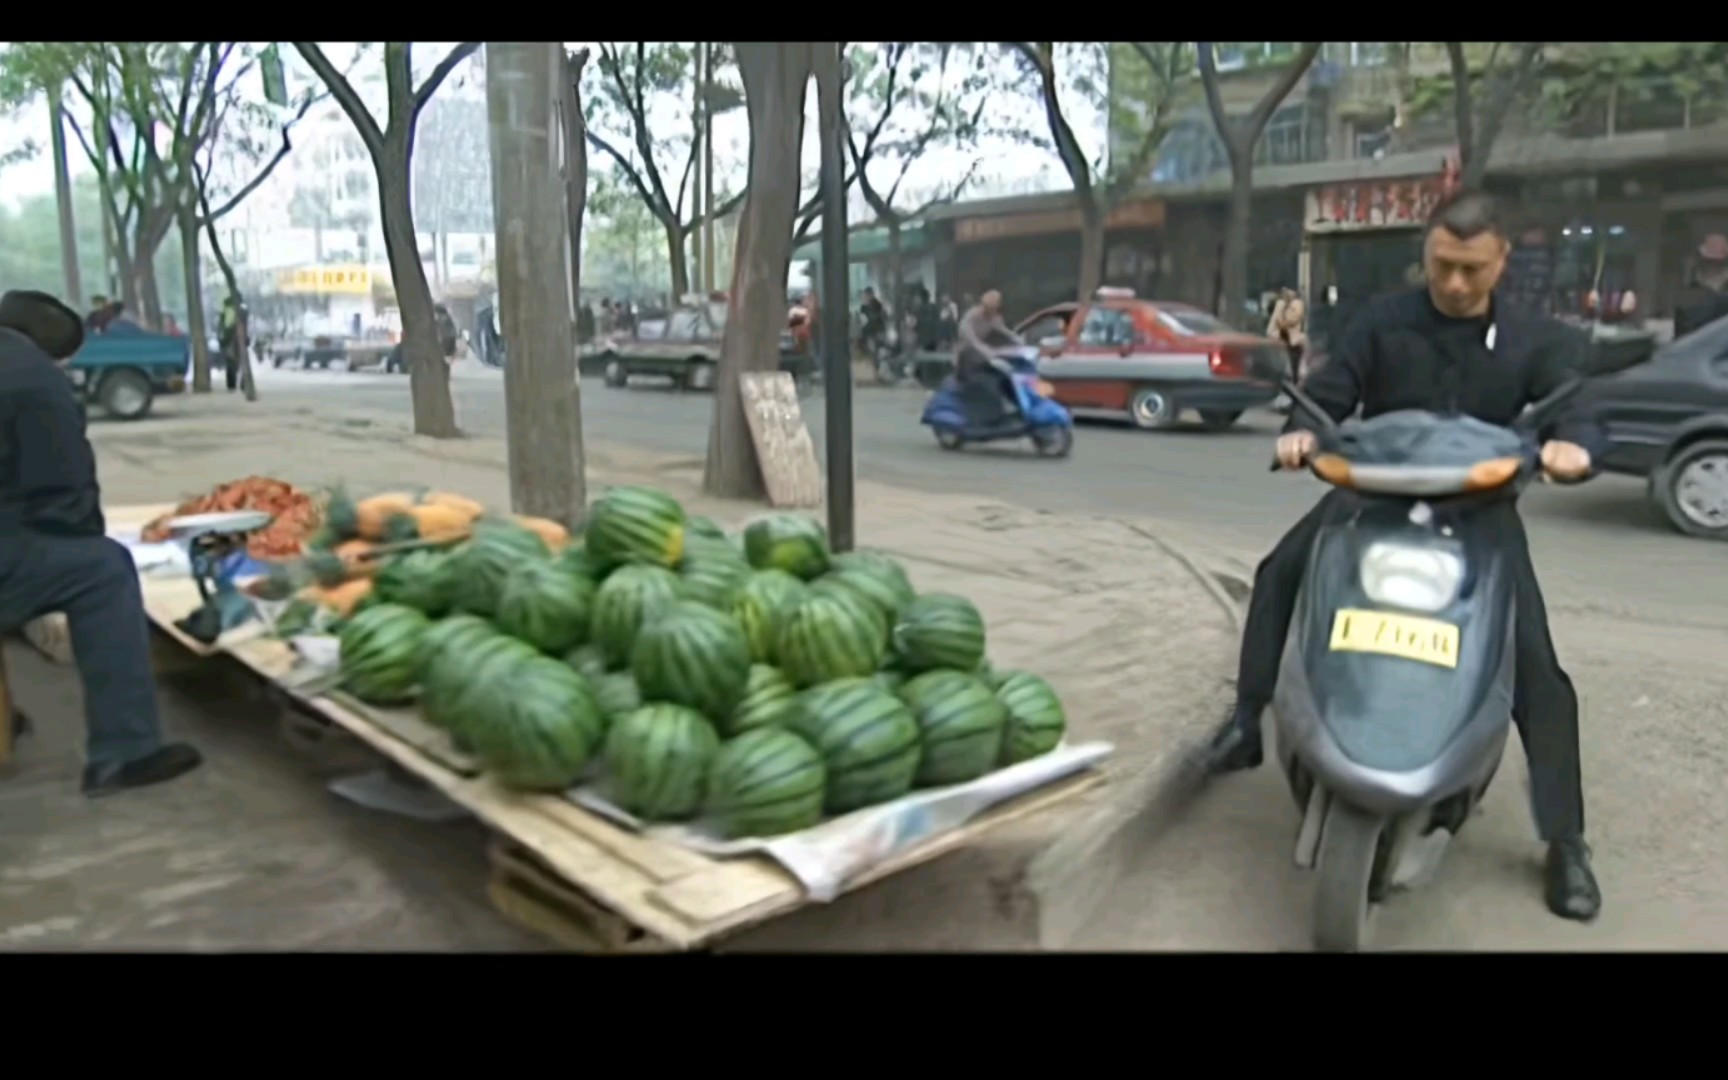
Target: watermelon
<point>470,685</point>
<point>1036,720</point>
<point>789,542</point>
<point>766,782</point>
<point>830,634</point>
<point>588,661</point>
<point>485,561</point>
<point>546,605</point>
<point>890,679</point>
<point>658,759</point>
<point>940,630</point>
<point>888,592</point>
<point>768,698</point>
<point>627,597</point>
<point>576,559</point>
<point>548,730</point>
<point>636,525</point>
<point>417,580</point>
<point>689,654</point>
<point>961,724</point>
<point>868,738</point>
<point>712,572</point>
<point>701,526</point>
<point>453,632</point>
<point>760,605</point>
<point>381,653</point>
<point>617,693</point>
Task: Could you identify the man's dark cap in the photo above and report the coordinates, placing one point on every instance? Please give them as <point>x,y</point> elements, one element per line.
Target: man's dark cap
<point>53,326</point>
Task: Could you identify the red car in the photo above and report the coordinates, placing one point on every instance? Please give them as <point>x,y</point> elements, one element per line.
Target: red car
<point>1148,360</point>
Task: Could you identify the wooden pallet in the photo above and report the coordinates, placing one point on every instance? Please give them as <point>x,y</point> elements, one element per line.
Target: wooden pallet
<point>530,894</point>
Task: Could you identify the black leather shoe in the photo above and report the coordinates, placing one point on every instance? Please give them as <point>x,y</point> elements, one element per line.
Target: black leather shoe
<point>21,725</point>
<point>170,762</point>
<point>1572,892</point>
<point>1237,745</point>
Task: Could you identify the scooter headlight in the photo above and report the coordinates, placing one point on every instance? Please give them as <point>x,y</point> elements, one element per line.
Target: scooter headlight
<point>1415,578</point>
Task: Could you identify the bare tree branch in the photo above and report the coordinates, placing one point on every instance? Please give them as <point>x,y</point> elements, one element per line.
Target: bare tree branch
<point>445,66</point>
<point>343,91</point>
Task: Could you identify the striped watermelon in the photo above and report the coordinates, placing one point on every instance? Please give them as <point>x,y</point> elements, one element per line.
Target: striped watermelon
<point>890,679</point>
<point>546,605</point>
<point>868,738</point>
<point>576,559</point>
<point>483,563</point>
<point>961,723</point>
<point>790,542</point>
<point>381,653</point>
<point>418,580</point>
<point>548,730</point>
<point>765,783</point>
<point>589,661</point>
<point>1036,719</point>
<point>658,759</point>
<point>689,654</point>
<point>624,600</point>
<point>454,632</point>
<point>617,693</point>
<point>830,634</point>
<point>635,525</point>
<point>761,605</point>
<point>940,630</point>
<point>702,526</point>
<point>883,590</point>
<point>768,698</point>
<point>471,686</point>
<point>712,571</point>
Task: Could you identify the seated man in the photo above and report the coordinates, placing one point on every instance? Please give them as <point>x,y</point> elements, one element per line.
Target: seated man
<point>55,554</point>
<point>984,384</point>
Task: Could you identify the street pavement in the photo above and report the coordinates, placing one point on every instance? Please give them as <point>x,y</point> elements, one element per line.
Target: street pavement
<point>1640,616</point>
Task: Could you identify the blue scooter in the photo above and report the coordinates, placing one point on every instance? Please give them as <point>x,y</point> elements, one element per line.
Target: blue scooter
<point>1032,414</point>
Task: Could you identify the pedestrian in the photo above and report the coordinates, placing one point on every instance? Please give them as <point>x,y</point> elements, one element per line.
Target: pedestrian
<point>608,317</point>
<point>56,556</point>
<point>100,313</point>
<point>947,323</point>
<point>1705,298</point>
<point>228,335</point>
<point>1449,346</point>
<point>1288,325</point>
<point>585,323</point>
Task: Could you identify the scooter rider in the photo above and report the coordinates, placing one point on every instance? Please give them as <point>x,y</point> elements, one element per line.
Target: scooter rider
<point>981,332</point>
<point>1449,346</point>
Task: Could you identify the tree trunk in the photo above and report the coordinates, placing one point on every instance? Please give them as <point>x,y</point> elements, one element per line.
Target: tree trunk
<point>524,92</point>
<point>195,329</point>
<point>428,374</point>
<point>776,77</point>
<point>676,260</point>
<point>149,309</point>
<point>1235,258</point>
<point>1091,251</point>
<point>896,269</point>
<point>63,201</point>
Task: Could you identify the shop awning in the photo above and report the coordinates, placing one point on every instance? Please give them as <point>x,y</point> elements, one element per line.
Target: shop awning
<point>872,243</point>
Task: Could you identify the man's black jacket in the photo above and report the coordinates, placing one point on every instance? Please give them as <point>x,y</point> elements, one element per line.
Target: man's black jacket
<point>1402,353</point>
<point>47,469</point>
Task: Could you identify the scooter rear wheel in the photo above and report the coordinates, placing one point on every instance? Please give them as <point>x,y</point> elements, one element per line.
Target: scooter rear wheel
<point>1343,912</point>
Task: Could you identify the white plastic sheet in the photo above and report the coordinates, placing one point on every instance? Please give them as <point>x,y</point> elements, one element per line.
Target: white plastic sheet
<point>826,857</point>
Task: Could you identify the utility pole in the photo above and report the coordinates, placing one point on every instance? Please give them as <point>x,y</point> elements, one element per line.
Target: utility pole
<point>75,297</point>
<point>833,298</point>
<point>697,248</point>
<point>524,85</point>
<point>707,166</point>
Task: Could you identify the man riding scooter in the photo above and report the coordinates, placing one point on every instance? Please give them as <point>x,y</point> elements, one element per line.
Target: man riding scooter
<point>1448,347</point>
<point>983,385</point>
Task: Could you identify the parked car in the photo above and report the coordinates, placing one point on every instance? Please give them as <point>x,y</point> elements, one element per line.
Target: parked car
<point>1151,360</point>
<point>123,372</point>
<point>1667,421</point>
<point>682,345</point>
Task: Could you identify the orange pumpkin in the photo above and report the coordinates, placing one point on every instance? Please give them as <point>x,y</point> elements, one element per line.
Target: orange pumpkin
<point>440,522</point>
<point>555,536</point>
<point>342,599</point>
<point>373,515</point>
<point>455,502</point>
<point>352,553</point>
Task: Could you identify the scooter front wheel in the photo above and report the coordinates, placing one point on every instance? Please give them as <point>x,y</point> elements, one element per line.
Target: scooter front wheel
<point>949,439</point>
<point>1053,441</point>
<point>1343,912</point>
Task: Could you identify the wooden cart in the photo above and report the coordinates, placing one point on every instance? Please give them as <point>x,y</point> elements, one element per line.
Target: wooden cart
<point>558,869</point>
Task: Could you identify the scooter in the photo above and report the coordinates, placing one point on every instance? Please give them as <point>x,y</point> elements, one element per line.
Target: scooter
<point>1394,698</point>
<point>1033,414</point>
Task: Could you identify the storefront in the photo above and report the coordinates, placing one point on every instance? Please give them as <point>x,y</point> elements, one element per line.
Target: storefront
<point>1361,240</point>
<point>1034,258</point>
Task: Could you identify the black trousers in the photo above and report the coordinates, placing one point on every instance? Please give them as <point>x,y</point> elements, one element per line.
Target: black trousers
<point>94,581</point>
<point>1544,703</point>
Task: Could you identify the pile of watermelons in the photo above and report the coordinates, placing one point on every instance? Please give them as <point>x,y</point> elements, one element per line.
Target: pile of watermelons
<point>759,679</point>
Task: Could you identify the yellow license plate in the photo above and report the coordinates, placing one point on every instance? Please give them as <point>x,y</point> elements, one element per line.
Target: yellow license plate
<point>1427,641</point>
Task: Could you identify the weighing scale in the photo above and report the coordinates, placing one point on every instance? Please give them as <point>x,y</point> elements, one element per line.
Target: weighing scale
<point>216,549</point>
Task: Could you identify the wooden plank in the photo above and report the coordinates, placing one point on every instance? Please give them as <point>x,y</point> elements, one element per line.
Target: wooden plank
<point>783,444</point>
<point>726,899</point>
<point>528,894</point>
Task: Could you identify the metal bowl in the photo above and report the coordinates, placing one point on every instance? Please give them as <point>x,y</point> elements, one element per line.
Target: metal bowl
<point>237,521</point>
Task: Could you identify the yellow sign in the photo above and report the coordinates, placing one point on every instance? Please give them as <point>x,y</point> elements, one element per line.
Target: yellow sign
<point>1426,641</point>
<point>327,279</point>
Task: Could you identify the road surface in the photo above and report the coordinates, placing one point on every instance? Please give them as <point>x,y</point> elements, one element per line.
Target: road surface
<point>1640,617</point>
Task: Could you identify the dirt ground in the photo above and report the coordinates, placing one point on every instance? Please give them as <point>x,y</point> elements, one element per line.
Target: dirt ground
<point>253,852</point>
